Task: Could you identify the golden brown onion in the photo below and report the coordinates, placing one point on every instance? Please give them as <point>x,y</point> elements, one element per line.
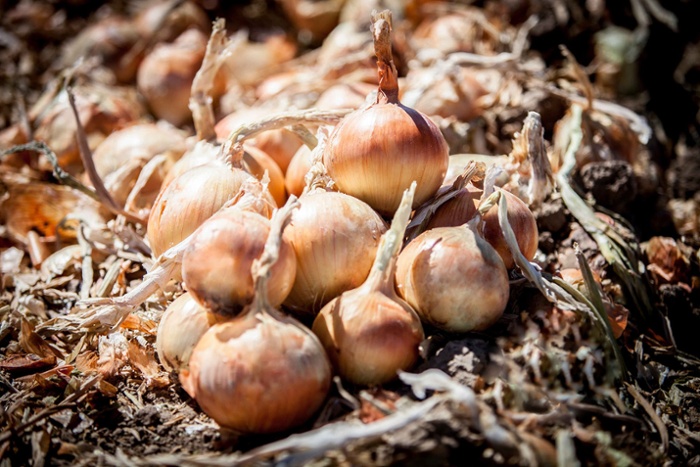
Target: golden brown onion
<point>165,76</point>
<point>453,279</point>
<point>524,225</point>
<point>294,179</point>
<point>189,200</point>
<point>335,238</point>
<point>179,330</point>
<point>216,266</point>
<point>137,145</point>
<point>102,110</point>
<point>375,153</point>
<point>257,162</point>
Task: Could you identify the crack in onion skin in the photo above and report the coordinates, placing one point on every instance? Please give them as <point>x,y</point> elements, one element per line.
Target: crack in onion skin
<point>453,279</point>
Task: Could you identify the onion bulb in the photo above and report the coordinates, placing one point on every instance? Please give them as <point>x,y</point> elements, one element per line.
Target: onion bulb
<point>453,279</point>
<point>369,332</point>
<point>137,145</point>
<point>262,372</point>
<point>299,166</point>
<point>102,110</point>
<point>524,225</point>
<point>165,76</point>
<point>376,152</point>
<point>189,200</point>
<point>216,266</point>
<point>257,162</point>
<point>179,330</point>
<point>335,238</point>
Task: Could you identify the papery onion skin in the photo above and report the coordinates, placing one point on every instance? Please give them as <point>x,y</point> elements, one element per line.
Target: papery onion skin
<point>257,162</point>
<point>453,279</point>
<point>335,238</point>
<point>188,201</point>
<point>256,374</point>
<point>456,211</point>
<point>216,266</point>
<point>523,223</point>
<point>182,325</point>
<point>375,154</point>
<point>369,336</point>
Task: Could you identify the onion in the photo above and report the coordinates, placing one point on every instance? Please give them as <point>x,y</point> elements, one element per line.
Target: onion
<point>111,40</point>
<point>257,162</point>
<point>166,74</point>
<point>458,210</point>
<point>452,93</point>
<point>335,238</point>
<point>524,225</point>
<point>137,145</point>
<point>166,21</point>
<point>315,18</point>
<point>296,172</point>
<point>216,266</point>
<point>179,330</point>
<point>262,372</point>
<point>102,110</point>
<point>369,332</point>
<point>189,200</point>
<point>375,153</point>
<point>345,96</point>
<point>453,279</point>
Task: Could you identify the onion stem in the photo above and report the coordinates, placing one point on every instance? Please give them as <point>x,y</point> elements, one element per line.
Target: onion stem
<point>382,273</point>
<point>388,80</point>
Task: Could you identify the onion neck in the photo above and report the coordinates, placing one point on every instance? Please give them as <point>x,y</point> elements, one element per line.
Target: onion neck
<point>381,276</point>
<point>388,79</point>
<point>262,267</point>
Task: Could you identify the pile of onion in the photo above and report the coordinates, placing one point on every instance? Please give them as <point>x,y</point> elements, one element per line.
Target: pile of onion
<point>369,332</point>
<point>262,372</point>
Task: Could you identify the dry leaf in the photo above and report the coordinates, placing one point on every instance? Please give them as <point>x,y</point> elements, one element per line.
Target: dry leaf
<point>86,362</point>
<point>31,342</point>
<point>667,263</point>
<point>113,351</point>
<point>617,315</point>
<point>28,363</point>
<point>145,361</point>
<point>139,324</point>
